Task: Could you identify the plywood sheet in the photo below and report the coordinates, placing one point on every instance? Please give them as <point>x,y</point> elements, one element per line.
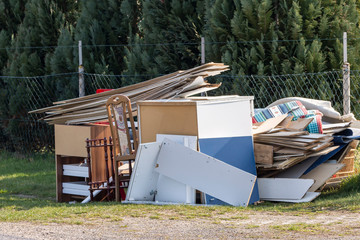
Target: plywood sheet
<point>263,153</point>
<point>70,140</point>
<point>297,170</point>
<point>199,171</point>
<point>166,118</point>
<point>283,188</point>
<point>269,124</point>
<point>322,173</point>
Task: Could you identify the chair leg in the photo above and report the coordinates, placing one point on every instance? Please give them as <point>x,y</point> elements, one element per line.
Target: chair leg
<point>117,185</point>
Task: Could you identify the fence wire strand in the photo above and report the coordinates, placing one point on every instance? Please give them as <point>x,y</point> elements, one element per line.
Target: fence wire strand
<point>23,132</point>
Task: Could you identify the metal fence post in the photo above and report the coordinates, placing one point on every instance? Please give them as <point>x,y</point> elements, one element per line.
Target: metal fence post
<point>202,56</point>
<point>346,79</point>
<point>81,73</point>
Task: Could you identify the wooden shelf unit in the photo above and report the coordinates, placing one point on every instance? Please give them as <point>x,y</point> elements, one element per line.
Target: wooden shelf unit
<point>70,155</point>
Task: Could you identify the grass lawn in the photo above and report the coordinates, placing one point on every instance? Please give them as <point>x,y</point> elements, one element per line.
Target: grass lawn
<point>27,193</point>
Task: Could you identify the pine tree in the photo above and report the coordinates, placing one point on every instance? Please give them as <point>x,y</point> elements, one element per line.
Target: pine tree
<point>100,25</point>
<point>165,42</point>
<point>39,28</point>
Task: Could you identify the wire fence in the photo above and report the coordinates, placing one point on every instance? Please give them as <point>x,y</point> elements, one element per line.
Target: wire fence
<point>23,132</point>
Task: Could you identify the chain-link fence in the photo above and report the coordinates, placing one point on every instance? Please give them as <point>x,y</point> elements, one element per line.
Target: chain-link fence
<point>20,131</point>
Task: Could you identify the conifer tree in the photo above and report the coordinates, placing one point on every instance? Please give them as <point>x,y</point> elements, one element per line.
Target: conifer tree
<point>165,42</point>
<point>38,30</point>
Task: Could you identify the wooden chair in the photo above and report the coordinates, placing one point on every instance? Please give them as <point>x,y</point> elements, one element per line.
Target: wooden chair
<point>125,147</point>
<point>107,183</point>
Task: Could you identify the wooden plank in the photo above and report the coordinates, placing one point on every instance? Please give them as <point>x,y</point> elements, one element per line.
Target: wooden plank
<point>322,173</point>
<point>263,153</point>
<point>198,170</point>
<point>269,124</point>
<point>70,140</point>
<point>300,123</point>
<point>297,170</point>
<point>283,188</point>
<point>286,122</point>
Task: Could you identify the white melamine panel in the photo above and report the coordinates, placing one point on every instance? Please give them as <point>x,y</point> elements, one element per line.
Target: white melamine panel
<point>186,140</point>
<point>205,173</point>
<point>144,179</point>
<point>169,190</point>
<point>224,119</point>
<point>283,188</point>
<point>76,188</point>
<point>309,196</point>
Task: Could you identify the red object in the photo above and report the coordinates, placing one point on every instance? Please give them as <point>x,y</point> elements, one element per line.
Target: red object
<point>102,90</point>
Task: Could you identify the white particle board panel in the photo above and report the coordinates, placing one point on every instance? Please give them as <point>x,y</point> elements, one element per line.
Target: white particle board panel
<point>297,170</point>
<point>322,173</point>
<point>76,188</point>
<point>309,196</point>
<point>75,170</point>
<point>169,190</point>
<point>143,182</point>
<point>186,140</point>
<point>224,119</point>
<point>205,173</point>
<point>283,188</point>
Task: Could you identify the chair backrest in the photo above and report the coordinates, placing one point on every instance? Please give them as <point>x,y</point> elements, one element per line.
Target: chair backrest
<point>119,111</point>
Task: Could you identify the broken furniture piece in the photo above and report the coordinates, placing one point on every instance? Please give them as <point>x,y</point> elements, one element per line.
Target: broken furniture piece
<point>124,139</point>
<point>108,183</point>
<point>221,124</point>
<point>70,157</point>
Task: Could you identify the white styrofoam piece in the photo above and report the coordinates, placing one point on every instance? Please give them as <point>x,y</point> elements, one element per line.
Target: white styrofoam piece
<point>297,170</point>
<point>144,179</point>
<point>283,188</point>
<point>308,197</point>
<point>202,172</point>
<point>224,119</point>
<point>169,190</point>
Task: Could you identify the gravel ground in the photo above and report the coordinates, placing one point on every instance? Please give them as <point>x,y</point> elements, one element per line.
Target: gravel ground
<point>251,225</point>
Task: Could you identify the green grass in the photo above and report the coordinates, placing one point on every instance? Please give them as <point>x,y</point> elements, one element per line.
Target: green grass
<point>27,193</point>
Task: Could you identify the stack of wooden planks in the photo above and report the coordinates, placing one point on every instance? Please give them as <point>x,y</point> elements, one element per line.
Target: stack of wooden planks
<point>294,165</point>
<point>91,108</point>
<point>281,143</point>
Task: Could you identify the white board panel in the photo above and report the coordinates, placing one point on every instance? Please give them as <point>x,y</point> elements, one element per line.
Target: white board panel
<point>186,140</point>
<point>224,119</point>
<point>309,196</point>
<point>144,179</point>
<point>322,173</point>
<point>297,170</point>
<point>169,190</point>
<point>283,188</point>
<point>205,173</point>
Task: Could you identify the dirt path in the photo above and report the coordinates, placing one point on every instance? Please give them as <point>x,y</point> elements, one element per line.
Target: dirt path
<point>250,225</point>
